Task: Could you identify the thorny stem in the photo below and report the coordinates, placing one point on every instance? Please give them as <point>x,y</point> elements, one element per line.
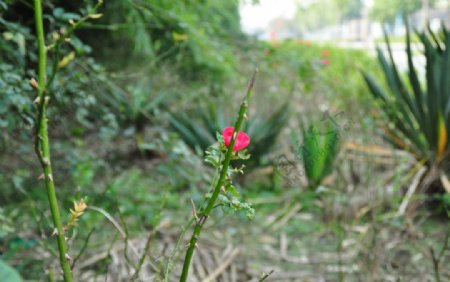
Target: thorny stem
<point>203,215</point>
<point>42,144</point>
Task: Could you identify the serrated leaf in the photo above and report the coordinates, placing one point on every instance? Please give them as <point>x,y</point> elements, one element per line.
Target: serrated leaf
<point>219,137</point>
<point>243,155</point>
<point>232,190</point>
<point>237,206</point>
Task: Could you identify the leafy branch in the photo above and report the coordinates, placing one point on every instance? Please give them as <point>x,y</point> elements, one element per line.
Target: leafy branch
<point>219,185</point>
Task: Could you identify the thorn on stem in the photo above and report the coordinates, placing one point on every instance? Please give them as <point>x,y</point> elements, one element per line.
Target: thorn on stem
<point>95,16</point>
<point>55,232</point>
<point>202,219</point>
<point>34,83</point>
<point>194,211</point>
<point>41,177</point>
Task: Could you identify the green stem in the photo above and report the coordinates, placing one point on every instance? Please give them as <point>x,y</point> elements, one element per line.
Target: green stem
<point>43,145</point>
<point>223,173</point>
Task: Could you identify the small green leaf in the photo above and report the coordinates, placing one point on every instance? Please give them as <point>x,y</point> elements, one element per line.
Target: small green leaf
<point>237,206</point>
<point>213,155</point>
<point>243,155</point>
<point>219,137</point>
<point>232,190</point>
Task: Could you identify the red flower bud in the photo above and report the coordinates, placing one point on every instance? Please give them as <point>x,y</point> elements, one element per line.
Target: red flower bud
<point>242,139</point>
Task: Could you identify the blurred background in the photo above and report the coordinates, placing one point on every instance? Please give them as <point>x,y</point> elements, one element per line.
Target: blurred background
<point>349,152</point>
<point>341,20</point>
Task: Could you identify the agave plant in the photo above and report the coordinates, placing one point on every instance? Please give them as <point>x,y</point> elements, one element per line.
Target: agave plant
<point>418,108</point>
<point>199,133</point>
<point>318,151</point>
<point>135,107</point>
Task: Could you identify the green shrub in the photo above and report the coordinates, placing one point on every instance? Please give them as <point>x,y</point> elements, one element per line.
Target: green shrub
<point>144,33</point>
<point>418,111</point>
<point>318,151</point>
<point>324,71</point>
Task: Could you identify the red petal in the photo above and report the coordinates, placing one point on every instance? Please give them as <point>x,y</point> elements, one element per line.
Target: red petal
<point>242,139</point>
<point>227,134</point>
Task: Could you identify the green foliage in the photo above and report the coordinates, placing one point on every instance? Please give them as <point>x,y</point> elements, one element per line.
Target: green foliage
<point>148,32</point>
<point>388,10</point>
<point>83,92</point>
<point>135,107</point>
<point>15,102</point>
<point>350,9</point>
<point>325,71</point>
<point>8,273</point>
<point>72,93</point>
<point>419,113</point>
<point>91,102</point>
<point>229,198</point>
<point>182,169</point>
<point>141,204</point>
<point>318,152</point>
<point>322,13</point>
<point>6,227</point>
<point>314,16</point>
<point>198,130</point>
<point>234,204</point>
